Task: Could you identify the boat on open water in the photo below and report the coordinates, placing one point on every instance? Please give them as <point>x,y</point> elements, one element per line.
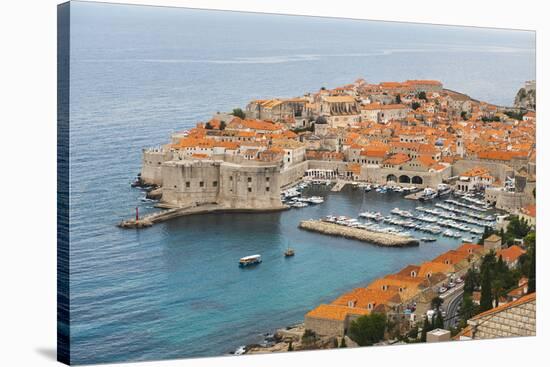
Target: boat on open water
<point>250,260</point>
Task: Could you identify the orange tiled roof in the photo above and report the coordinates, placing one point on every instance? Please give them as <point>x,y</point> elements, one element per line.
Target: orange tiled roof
<point>530,210</point>
<point>335,312</point>
<point>511,253</point>
<point>398,158</point>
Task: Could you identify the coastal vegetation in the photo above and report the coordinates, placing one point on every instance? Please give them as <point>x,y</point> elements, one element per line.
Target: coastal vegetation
<point>238,112</point>
<point>368,329</point>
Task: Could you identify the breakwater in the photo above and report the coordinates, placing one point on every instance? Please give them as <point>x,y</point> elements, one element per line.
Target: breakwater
<point>171,213</point>
<point>381,239</point>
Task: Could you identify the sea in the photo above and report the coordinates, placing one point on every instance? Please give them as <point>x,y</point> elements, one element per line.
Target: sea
<point>140,73</point>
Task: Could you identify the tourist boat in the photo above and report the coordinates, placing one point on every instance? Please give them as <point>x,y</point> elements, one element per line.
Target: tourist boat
<point>467,239</point>
<point>250,260</point>
<point>428,239</point>
<point>289,252</point>
<point>299,205</point>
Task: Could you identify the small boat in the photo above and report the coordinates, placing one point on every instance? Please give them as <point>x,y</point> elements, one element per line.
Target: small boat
<point>250,260</point>
<point>289,252</point>
<point>428,239</point>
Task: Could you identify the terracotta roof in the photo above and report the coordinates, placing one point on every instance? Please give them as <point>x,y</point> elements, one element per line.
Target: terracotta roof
<point>398,158</point>
<point>511,253</point>
<point>530,210</point>
<point>335,312</point>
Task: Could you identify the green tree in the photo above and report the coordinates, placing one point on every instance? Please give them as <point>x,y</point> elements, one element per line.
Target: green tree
<point>498,290</point>
<point>368,329</point>
<point>425,329</point>
<point>415,105</point>
<point>398,98</point>
<point>290,348</point>
<point>530,241</point>
<point>486,301</point>
<point>422,95</point>
<point>222,125</point>
<point>437,302</point>
<point>237,112</point>
<point>468,308</point>
<point>471,281</point>
<point>438,323</point>
<point>518,228</point>
<point>464,115</point>
<point>208,126</point>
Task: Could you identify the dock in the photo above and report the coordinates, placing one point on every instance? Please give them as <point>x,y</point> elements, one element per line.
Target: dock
<point>339,185</point>
<point>377,238</point>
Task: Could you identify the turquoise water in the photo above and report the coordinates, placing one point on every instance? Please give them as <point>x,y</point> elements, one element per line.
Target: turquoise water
<point>140,73</point>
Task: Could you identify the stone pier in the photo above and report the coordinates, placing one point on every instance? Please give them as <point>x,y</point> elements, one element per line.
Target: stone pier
<point>381,239</point>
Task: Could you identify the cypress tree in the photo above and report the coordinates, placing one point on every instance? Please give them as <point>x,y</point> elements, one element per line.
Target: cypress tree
<point>486,301</point>
<point>531,285</point>
<point>290,348</point>
<point>425,327</point>
<point>439,324</point>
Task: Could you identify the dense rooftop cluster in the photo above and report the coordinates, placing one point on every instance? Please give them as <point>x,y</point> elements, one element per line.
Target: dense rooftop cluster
<point>415,125</point>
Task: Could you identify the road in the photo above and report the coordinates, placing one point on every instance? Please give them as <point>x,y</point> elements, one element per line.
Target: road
<point>452,301</point>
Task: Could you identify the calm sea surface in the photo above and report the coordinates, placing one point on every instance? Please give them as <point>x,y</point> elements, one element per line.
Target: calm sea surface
<point>141,73</point>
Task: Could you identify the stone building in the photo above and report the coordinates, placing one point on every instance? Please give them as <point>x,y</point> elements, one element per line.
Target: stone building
<point>517,318</point>
<point>234,186</point>
<point>493,242</point>
<point>333,320</point>
<point>438,335</point>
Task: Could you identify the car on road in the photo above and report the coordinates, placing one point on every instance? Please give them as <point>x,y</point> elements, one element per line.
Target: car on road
<point>451,285</point>
<point>442,290</point>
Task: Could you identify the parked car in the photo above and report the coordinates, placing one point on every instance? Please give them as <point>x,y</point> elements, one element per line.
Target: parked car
<point>442,290</point>
<point>451,284</point>
<point>458,280</point>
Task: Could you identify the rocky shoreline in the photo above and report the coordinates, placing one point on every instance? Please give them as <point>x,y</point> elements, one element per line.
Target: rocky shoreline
<point>292,338</point>
<point>381,239</point>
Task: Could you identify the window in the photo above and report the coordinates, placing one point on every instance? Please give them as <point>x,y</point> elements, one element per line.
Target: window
<point>230,178</point>
<point>215,183</point>
<point>267,179</point>
<point>250,179</point>
<point>250,189</point>
<point>267,188</point>
<point>201,184</point>
<point>188,184</point>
